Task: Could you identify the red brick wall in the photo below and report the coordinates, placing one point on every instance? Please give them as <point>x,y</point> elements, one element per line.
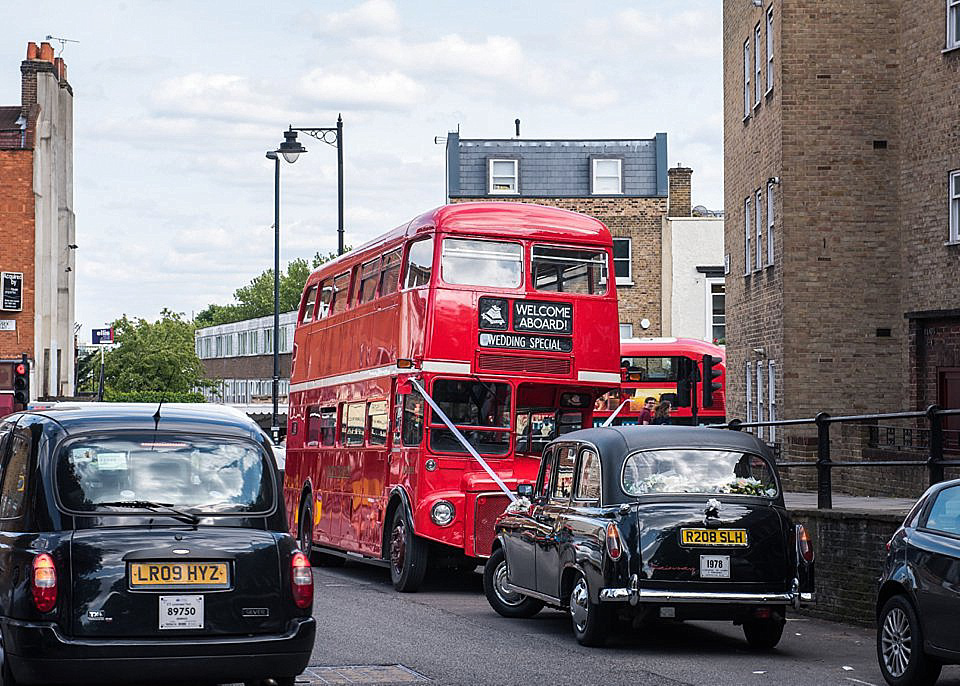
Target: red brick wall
<point>17,244</point>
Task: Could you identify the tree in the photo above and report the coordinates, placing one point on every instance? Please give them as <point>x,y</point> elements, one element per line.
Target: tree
<point>256,298</point>
<point>154,357</point>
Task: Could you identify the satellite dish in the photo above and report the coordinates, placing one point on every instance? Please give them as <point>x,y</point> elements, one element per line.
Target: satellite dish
<point>700,211</point>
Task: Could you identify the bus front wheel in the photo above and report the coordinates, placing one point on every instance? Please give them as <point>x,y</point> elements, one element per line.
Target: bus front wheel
<point>408,554</point>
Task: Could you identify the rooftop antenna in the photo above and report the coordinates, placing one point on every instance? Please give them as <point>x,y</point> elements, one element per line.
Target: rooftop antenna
<point>63,42</point>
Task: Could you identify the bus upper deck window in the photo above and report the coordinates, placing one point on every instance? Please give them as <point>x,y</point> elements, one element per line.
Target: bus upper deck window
<point>368,276</point>
<point>326,299</point>
<point>419,264</point>
<point>311,299</point>
<point>341,292</point>
<point>390,272</point>
<point>482,263</point>
<point>569,271</point>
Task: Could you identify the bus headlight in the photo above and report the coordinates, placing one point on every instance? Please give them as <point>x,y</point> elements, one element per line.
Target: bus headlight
<point>442,512</point>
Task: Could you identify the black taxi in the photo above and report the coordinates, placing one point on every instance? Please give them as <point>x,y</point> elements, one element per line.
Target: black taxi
<point>144,543</point>
<point>653,522</point>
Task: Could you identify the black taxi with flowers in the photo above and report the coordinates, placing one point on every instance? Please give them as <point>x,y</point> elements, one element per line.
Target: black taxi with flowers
<point>145,543</point>
<point>653,522</point>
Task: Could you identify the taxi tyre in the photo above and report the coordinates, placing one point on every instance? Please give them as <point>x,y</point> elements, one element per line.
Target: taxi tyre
<point>493,573</point>
<point>921,669</point>
<point>279,681</point>
<point>408,554</point>
<point>590,620</point>
<point>305,541</point>
<point>763,634</point>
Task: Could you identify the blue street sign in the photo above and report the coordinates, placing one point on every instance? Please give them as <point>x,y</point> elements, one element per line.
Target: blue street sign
<point>102,336</point>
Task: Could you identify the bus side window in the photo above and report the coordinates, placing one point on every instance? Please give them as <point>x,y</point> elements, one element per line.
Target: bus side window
<point>328,426</point>
<point>309,301</point>
<point>419,264</point>
<point>341,292</point>
<point>377,422</point>
<point>368,276</point>
<point>390,273</point>
<point>313,426</point>
<point>326,299</point>
<point>412,430</point>
<point>355,424</point>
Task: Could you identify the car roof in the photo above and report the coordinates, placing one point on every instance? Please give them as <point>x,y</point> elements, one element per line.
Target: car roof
<point>204,417</point>
<point>619,440</point>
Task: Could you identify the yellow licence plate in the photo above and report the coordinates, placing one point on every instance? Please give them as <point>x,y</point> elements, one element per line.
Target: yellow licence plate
<point>729,537</point>
<point>179,574</point>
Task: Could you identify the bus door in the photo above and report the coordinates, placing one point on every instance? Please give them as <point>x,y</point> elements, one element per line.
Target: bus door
<point>367,501</point>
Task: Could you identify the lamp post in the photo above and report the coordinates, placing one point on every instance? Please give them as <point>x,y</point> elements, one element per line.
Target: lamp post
<point>290,150</point>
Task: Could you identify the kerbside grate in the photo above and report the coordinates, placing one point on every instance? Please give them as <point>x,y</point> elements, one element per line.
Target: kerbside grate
<point>359,674</point>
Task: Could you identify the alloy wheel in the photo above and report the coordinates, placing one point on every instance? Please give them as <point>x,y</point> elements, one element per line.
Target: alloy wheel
<point>896,642</point>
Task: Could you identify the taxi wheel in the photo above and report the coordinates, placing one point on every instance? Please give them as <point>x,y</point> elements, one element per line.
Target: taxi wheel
<point>900,646</point>
<point>763,634</point>
<point>506,603</point>
<point>408,554</point>
<point>591,621</point>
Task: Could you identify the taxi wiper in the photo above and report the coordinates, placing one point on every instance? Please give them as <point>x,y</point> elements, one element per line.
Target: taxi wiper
<point>188,517</point>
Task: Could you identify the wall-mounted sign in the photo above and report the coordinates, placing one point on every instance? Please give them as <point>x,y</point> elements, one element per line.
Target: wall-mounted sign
<point>542,317</point>
<point>102,336</point>
<point>8,324</point>
<point>11,285</point>
<point>517,341</point>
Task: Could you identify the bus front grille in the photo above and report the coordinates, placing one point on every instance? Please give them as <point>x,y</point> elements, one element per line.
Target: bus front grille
<point>489,507</point>
<point>521,363</point>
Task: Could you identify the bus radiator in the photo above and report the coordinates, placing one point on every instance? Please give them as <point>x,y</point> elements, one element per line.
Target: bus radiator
<point>489,507</point>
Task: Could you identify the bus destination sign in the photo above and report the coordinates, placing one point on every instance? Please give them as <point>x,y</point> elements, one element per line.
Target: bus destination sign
<point>542,317</point>
<point>517,341</point>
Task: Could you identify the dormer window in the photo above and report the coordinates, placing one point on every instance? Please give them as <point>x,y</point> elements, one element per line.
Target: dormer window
<point>607,176</point>
<point>503,177</point>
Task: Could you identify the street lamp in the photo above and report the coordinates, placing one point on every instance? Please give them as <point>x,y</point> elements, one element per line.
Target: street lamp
<point>291,149</point>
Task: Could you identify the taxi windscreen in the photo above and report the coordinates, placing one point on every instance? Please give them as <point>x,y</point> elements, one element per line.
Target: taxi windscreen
<point>138,472</point>
<point>680,470</point>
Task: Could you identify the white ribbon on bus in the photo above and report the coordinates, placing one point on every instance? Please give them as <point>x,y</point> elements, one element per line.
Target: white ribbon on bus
<point>615,413</point>
<point>463,440</point>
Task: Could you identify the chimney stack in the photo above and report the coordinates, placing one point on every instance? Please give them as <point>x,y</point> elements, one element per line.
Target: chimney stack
<point>678,191</point>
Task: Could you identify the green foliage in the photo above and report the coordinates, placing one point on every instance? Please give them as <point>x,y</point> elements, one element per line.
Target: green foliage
<point>256,298</point>
<point>112,396</point>
<point>88,371</point>
<point>154,357</point>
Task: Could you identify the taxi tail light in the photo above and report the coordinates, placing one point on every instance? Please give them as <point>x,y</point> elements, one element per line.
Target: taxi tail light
<point>804,544</point>
<point>614,544</point>
<point>301,580</point>
<point>43,583</point>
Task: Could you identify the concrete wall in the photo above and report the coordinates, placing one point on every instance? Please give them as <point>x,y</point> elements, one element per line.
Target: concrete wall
<point>688,243</point>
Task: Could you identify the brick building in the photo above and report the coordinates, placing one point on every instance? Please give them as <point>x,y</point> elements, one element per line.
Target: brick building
<point>37,231</point>
<point>624,183</point>
<point>842,194</point>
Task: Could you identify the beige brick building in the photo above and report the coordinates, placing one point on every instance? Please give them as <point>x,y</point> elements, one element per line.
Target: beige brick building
<point>624,183</point>
<point>842,195</point>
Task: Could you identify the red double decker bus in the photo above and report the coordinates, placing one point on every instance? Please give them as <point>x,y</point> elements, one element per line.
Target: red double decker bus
<point>669,369</point>
<point>433,363</point>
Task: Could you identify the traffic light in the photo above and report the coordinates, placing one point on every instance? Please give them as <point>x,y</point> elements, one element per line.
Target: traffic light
<point>711,372</point>
<point>21,383</point>
<point>687,376</point>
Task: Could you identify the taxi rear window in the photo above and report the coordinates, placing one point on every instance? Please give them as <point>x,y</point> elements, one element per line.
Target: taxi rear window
<point>679,470</point>
<point>199,474</point>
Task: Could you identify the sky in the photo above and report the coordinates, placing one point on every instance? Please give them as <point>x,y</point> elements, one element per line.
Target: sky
<point>176,103</point>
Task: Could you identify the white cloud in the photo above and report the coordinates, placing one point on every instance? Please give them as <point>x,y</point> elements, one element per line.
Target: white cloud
<point>359,89</point>
<point>373,16</point>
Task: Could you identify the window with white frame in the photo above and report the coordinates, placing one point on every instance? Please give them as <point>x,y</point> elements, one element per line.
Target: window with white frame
<point>503,177</point>
<point>770,49</point>
<point>747,236</point>
<point>758,262</point>
<point>953,24</point>
<point>749,391</point>
<point>622,262</point>
<point>717,312</point>
<point>761,400</point>
<point>772,398</point>
<point>607,177</point>
<point>746,79</point>
<point>758,65</point>
<point>955,206</point>
<point>626,331</point>
<point>769,224</point>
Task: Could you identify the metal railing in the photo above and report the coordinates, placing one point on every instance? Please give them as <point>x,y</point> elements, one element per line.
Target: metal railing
<point>929,439</point>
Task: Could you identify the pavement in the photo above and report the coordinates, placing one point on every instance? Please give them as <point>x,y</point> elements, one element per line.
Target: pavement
<point>849,503</point>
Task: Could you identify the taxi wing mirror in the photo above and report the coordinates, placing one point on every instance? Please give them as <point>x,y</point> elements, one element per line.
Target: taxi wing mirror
<point>525,490</point>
